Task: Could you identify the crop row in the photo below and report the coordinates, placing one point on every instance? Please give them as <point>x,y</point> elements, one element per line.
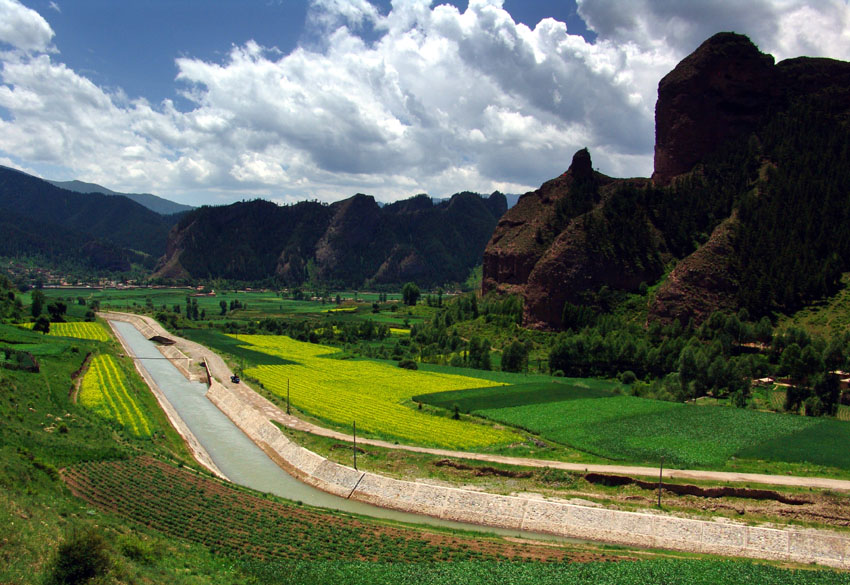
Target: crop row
<point>104,390</point>
<point>375,395</point>
<point>652,572</point>
<point>79,330</point>
<point>186,505</point>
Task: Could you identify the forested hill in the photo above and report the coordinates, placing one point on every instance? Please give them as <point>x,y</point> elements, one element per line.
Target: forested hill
<point>749,205</point>
<point>152,202</point>
<point>353,242</point>
<point>41,220</point>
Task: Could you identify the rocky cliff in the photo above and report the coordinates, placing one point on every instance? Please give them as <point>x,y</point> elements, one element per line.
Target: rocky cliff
<point>730,124</point>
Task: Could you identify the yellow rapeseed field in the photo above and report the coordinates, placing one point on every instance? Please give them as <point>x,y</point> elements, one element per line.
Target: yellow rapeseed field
<point>80,330</point>
<point>104,390</point>
<point>370,393</point>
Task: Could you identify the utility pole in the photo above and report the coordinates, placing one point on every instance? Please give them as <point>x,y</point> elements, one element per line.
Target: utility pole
<point>660,473</point>
<point>287,396</point>
<point>355,444</point>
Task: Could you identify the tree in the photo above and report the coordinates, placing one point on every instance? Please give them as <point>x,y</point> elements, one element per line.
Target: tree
<point>56,311</point>
<point>479,353</point>
<point>42,324</point>
<point>410,294</point>
<point>38,300</point>
<point>791,362</point>
<point>223,305</point>
<point>515,357</point>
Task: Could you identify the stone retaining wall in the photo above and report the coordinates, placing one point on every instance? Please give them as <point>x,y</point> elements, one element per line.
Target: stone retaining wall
<point>536,515</point>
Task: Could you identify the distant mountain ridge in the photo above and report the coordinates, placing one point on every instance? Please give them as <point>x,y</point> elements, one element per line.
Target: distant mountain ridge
<point>104,231</point>
<point>353,242</point>
<point>154,203</point>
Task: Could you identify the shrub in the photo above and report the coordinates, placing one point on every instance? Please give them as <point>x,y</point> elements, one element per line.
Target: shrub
<point>628,377</point>
<point>408,365</point>
<point>81,558</point>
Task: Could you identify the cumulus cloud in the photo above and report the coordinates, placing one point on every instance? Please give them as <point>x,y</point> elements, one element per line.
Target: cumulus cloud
<point>784,28</point>
<point>432,99</point>
<point>23,28</point>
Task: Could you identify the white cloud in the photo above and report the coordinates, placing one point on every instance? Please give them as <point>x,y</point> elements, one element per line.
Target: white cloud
<point>23,28</point>
<point>437,101</point>
<point>784,28</point>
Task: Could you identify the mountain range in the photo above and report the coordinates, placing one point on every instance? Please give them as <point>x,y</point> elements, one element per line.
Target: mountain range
<point>353,242</point>
<point>152,202</point>
<point>101,232</point>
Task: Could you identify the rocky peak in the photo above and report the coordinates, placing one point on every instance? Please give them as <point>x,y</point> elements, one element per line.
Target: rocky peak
<point>581,168</point>
<point>721,90</point>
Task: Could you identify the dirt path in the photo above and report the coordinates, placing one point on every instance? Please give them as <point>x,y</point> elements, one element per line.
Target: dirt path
<point>219,370</point>
<point>77,378</point>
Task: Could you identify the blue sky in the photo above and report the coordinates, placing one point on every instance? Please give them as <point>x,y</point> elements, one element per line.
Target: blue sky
<point>218,100</point>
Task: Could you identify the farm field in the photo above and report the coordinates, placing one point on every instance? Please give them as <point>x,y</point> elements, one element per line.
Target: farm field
<point>239,523</point>
<point>78,330</point>
<point>104,390</point>
<point>509,396</point>
<point>259,303</point>
<point>669,572</point>
<point>280,542</point>
<point>640,430</point>
<point>375,395</point>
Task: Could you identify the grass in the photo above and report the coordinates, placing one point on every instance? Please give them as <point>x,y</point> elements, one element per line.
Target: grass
<point>828,317</point>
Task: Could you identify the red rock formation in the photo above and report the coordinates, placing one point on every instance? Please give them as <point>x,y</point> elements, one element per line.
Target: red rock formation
<point>702,283</point>
<point>720,91</point>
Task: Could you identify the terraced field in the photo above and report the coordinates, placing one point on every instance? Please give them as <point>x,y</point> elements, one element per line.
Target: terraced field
<point>79,330</point>
<point>375,395</point>
<point>104,390</point>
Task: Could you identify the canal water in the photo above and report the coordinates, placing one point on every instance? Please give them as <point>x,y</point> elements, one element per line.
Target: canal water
<point>244,462</point>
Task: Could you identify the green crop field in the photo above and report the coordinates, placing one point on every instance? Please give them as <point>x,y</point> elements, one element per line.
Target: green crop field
<point>509,396</point>
<point>641,430</point>
<point>372,394</point>
<point>657,572</point>
<point>241,524</point>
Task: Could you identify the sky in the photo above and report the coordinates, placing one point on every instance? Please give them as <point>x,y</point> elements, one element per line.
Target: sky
<point>215,101</point>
